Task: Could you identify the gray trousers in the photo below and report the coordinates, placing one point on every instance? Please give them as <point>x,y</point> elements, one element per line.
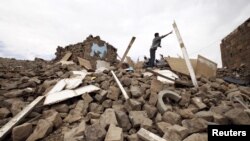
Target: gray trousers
<point>152,57</point>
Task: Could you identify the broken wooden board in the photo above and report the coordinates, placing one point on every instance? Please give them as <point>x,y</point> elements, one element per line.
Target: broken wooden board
<point>85,63</point>
<point>127,50</point>
<point>19,117</point>
<point>67,94</point>
<point>205,67</point>
<point>66,56</point>
<point>179,65</point>
<point>148,136</point>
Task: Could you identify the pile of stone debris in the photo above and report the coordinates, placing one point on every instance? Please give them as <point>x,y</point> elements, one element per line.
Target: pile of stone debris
<point>154,110</point>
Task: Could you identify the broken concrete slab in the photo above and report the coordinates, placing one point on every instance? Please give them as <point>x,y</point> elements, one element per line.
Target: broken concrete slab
<point>195,125</point>
<point>162,127</point>
<point>54,117</point>
<point>22,132</point>
<point>101,66</point>
<point>179,65</point>
<point>19,92</point>
<point>205,67</point>
<point>76,113</point>
<point>132,104</point>
<point>148,136</point>
<point>156,86</point>
<point>75,132</point>
<point>85,63</point>
<point>133,137</point>
<point>95,132</point>
<point>123,120</point>
<point>198,102</point>
<point>207,115</point>
<point>66,94</point>
<point>43,128</point>
<point>114,134</point>
<point>66,56</point>
<point>171,117</point>
<point>238,116</point>
<point>4,113</point>
<point>108,117</point>
<point>61,108</point>
<point>150,110</point>
<point>135,91</point>
<point>140,119</point>
<point>176,133</point>
<point>113,93</point>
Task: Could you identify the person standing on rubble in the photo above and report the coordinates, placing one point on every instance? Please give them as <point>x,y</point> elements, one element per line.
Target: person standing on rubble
<point>156,43</point>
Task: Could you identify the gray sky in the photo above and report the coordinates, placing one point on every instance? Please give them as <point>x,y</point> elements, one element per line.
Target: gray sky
<point>34,28</point>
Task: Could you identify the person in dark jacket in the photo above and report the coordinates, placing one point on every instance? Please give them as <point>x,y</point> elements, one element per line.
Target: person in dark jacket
<point>156,43</point>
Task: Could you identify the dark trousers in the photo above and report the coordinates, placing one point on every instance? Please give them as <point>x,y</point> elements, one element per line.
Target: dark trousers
<point>152,57</point>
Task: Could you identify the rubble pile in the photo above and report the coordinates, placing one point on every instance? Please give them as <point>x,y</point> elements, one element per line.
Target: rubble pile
<point>106,115</point>
<point>92,49</point>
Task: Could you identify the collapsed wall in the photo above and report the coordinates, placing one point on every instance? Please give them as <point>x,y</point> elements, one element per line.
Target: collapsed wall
<point>91,49</point>
<point>235,48</point>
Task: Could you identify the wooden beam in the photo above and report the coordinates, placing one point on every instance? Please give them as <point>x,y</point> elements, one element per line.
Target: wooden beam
<point>184,52</point>
<point>127,50</point>
<point>120,86</point>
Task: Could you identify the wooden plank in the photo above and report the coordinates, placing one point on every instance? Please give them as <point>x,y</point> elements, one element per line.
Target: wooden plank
<point>66,56</point>
<point>126,52</point>
<point>206,67</point>
<point>85,63</point>
<point>184,52</point>
<point>120,86</point>
<point>179,65</point>
<point>148,136</point>
<point>19,117</point>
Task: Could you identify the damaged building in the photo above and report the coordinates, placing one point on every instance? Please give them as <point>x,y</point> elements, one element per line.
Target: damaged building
<point>62,100</point>
<point>92,49</point>
<point>235,47</point>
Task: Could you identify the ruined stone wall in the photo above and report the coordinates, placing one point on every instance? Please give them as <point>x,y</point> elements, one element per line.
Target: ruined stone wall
<point>92,49</point>
<point>235,48</point>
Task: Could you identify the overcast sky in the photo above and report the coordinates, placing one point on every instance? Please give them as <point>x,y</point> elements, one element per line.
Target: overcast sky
<point>34,28</point>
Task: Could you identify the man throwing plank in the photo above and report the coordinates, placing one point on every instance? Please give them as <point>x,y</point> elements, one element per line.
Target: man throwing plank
<point>156,43</point>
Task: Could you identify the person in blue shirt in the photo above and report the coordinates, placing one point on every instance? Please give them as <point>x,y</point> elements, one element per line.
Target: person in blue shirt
<point>156,43</point>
